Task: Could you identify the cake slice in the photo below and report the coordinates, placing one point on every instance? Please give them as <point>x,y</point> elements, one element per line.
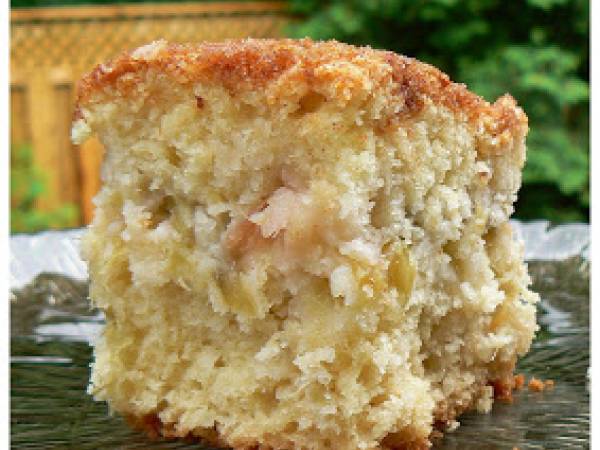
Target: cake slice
<point>301,245</point>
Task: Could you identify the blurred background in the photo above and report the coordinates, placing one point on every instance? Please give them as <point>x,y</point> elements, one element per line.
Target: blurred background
<point>538,50</point>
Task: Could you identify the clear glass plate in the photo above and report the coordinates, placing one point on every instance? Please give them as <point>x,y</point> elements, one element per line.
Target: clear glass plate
<point>52,326</point>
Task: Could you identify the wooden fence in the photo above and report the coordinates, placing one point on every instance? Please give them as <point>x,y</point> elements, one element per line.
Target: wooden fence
<point>51,48</point>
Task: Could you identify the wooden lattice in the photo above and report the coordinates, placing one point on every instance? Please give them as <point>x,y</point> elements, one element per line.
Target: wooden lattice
<point>51,48</point>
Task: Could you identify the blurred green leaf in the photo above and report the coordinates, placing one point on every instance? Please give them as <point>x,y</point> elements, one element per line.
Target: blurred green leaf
<point>345,18</point>
<point>547,4</point>
<point>26,186</point>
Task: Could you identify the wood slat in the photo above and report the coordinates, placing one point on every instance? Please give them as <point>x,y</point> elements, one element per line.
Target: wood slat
<point>46,154</point>
<point>69,182</point>
<point>19,123</point>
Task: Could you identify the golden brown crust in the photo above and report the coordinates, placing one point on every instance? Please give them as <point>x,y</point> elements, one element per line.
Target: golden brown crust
<point>250,64</point>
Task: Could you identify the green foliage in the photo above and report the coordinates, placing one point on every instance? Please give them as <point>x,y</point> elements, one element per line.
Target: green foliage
<point>26,186</point>
<point>537,50</point>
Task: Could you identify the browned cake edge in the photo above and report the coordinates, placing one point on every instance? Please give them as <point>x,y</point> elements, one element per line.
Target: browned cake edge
<point>250,64</point>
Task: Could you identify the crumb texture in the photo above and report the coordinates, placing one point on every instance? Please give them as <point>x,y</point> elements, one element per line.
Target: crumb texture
<point>301,245</point>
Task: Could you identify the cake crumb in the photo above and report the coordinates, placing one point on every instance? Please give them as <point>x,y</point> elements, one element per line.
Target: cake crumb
<point>452,426</point>
<point>503,390</point>
<point>536,385</point>
<point>519,381</point>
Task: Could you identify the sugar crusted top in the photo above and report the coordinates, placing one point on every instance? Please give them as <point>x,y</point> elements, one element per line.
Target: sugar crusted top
<point>251,64</point>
